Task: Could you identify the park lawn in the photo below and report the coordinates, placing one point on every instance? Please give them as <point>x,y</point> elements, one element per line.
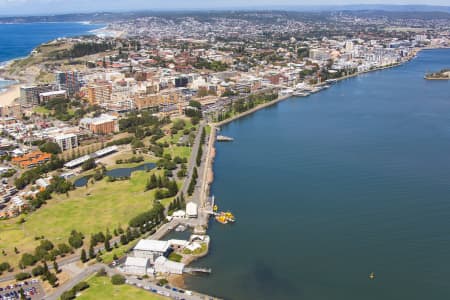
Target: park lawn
<point>180,151</point>
<point>101,288</point>
<point>109,204</point>
<point>41,110</point>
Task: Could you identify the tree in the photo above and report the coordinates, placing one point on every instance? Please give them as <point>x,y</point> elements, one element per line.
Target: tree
<point>22,276</point>
<point>88,165</point>
<point>56,267</point>
<point>107,245</point>
<point>91,252</point>
<point>50,147</point>
<point>83,257</point>
<point>52,279</point>
<point>117,279</point>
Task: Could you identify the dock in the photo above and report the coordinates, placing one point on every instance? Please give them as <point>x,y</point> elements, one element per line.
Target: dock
<point>222,138</point>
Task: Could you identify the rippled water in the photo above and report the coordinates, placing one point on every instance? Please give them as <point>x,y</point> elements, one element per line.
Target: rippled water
<point>326,189</point>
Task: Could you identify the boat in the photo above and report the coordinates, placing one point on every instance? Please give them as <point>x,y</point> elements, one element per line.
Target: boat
<point>372,276</point>
<point>225,218</point>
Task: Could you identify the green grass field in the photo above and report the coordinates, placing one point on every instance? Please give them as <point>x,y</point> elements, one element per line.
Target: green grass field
<point>102,205</point>
<point>102,289</point>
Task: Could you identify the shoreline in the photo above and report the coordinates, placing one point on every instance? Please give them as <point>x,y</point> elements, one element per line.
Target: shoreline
<point>11,93</point>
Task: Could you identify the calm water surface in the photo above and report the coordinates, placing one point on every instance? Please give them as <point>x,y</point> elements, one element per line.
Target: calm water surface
<point>326,189</point>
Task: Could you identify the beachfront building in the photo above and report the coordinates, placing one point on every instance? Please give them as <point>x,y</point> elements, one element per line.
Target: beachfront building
<point>47,96</point>
<point>30,95</point>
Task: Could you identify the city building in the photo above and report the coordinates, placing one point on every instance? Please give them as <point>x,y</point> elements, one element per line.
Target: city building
<point>31,159</point>
<point>99,92</point>
<point>104,124</point>
<point>66,141</point>
<point>136,265</point>
<point>151,249</point>
<point>46,96</point>
<point>69,81</point>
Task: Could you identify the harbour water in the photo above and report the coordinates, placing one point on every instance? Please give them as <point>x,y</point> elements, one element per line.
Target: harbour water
<point>329,188</point>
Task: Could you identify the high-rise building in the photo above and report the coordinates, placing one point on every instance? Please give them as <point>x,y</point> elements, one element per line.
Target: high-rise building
<point>69,81</point>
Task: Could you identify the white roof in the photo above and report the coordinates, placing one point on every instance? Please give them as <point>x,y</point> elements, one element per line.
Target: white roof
<point>191,209</point>
<point>152,245</point>
<point>53,93</point>
<point>136,261</point>
<point>163,265</point>
<point>179,214</point>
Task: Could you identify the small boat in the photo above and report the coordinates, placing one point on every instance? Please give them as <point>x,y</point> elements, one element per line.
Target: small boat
<point>225,218</point>
<point>372,276</point>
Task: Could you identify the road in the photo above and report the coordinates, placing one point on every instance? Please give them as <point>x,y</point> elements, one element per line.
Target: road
<point>144,284</point>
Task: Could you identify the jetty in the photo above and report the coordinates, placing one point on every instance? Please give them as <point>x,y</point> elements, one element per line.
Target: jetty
<point>222,138</point>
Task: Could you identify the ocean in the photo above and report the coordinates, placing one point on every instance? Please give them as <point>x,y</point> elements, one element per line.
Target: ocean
<point>18,40</point>
<point>329,188</point>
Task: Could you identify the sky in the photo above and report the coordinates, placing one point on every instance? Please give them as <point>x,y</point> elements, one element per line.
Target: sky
<point>39,7</point>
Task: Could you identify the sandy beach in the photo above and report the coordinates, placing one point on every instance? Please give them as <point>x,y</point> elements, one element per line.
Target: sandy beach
<point>11,93</point>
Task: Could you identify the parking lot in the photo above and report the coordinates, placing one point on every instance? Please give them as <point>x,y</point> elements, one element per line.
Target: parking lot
<point>32,290</point>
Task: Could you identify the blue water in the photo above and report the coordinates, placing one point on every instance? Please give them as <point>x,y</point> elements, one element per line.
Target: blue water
<point>116,173</point>
<point>18,40</point>
<point>326,189</point>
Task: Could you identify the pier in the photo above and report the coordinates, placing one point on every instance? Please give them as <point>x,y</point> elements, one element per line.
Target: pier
<point>222,138</point>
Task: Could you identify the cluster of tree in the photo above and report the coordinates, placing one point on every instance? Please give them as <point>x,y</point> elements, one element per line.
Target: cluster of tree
<point>122,141</point>
<point>83,49</point>
<point>193,182</point>
<point>251,101</point>
<point>170,190</point>
<point>88,164</point>
<point>58,185</point>
<point>177,204</point>
<point>5,267</point>
<point>9,173</point>
<point>166,163</point>
<point>32,175</point>
<point>194,111</point>
<point>135,120</point>
<point>200,148</point>
<point>134,159</point>
<point>44,272</point>
<point>50,147</point>
<point>72,293</point>
<point>216,66</point>
<point>182,172</point>
<point>60,108</point>
<point>76,239</point>
<point>152,217</point>
<point>177,126</point>
<point>45,251</point>
<point>132,234</point>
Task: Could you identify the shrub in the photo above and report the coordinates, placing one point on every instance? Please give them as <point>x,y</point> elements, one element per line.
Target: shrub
<point>117,279</point>
<point>22,276</point>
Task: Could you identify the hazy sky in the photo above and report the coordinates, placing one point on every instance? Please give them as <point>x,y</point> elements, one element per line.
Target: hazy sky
<point>8,7</point>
